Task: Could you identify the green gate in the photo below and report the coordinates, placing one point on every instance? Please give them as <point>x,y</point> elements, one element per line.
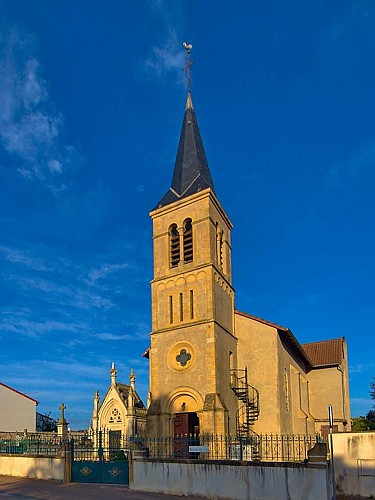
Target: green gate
<point>93,463</point>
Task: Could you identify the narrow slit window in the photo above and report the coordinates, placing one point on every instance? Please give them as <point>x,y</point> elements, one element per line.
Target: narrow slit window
<point>221,249</point>
<point>170,309</point>
<point>191,304</point>
<point>217,242</point>
<point>181,307</point>
<point>174,241</point>
<point>188,241</point>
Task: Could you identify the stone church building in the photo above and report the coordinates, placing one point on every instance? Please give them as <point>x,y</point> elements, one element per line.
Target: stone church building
<point>214,369</point>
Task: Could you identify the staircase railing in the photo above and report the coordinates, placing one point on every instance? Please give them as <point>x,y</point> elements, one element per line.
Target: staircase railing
<point>248,395</point>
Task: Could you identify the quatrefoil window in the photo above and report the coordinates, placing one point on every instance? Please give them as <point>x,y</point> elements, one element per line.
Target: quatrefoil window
<point>183,357</point>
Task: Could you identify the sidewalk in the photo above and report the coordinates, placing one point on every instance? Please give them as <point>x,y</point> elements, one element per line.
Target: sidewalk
<point>18,488</point>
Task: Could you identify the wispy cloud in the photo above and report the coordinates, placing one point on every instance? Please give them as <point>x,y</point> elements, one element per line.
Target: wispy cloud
<point>30,127</point>
<point>169,55</point>
<point>34,329</point>
<point>105,270</point>
<point>111,336</point>
<point>64,295</point>
<point>352,169</point>
<point>19,257</point>
<point>342,38</point>
<point>166,58</point>
<point>361,368</point>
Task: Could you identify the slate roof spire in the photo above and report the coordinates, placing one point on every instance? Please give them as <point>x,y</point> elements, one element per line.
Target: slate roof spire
<point>191,171</point>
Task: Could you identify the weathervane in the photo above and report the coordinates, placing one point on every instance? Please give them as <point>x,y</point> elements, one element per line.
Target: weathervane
<point>188,47</point>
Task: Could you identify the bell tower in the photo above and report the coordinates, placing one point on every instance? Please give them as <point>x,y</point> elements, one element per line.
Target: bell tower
<point>193,346</point>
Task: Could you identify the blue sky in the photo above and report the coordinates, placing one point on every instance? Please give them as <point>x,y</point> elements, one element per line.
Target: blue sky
<point>91,104</point>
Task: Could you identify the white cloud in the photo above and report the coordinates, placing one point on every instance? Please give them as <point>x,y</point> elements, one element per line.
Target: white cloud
<point>34,328</point>
<point>63,295</point>
<point>360,368</point>
<point>18,257</point>
<point>30,128</point>
<point>111,336</point>
<point>105,269</point>
<point>55,166</point>
<point>170,56</point>
<point>352,169</point>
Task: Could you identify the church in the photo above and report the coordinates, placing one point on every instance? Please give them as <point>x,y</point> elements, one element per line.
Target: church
<point>213,369</point>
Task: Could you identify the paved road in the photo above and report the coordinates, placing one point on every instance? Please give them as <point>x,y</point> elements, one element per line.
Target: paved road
<point>16,488</point>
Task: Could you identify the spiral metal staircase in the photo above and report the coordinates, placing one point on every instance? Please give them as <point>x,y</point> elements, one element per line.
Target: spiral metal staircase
<point>248,411</point>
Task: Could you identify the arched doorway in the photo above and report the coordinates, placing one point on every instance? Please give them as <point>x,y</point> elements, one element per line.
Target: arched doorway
<point>186,424</point>
<point>185,434</point>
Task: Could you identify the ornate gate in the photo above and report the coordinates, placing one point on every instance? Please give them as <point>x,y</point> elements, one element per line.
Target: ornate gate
<point>94,463</point>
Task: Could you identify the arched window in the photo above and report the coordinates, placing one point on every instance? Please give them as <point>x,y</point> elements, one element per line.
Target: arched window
<point>188,241</point>
<point>174,241</point>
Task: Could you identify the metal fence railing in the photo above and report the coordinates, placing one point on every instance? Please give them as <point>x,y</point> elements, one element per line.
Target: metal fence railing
<point>266,447</point>
<point>36,443</point>
<point>103,446</point>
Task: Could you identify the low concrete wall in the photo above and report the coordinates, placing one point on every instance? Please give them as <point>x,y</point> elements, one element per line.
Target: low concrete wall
<point>32,466</point>
<point>354,459</point>
<point>232,480</point>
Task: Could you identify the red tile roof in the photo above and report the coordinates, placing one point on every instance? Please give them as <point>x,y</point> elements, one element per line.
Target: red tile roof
<point>326,352</point>
<point>18,392</point>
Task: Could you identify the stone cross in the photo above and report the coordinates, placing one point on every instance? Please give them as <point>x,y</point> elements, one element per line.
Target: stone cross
<point>62,407</point>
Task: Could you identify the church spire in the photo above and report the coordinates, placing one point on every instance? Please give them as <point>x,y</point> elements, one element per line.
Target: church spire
<point>191,171</point>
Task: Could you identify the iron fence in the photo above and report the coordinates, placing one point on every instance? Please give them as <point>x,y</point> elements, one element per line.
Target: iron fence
<point>104,446</point>
<point>266,447</point>
<point>35,443</point>
<point>31,446</point>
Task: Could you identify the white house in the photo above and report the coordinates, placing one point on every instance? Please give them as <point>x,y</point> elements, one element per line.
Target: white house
<point>17,410</point>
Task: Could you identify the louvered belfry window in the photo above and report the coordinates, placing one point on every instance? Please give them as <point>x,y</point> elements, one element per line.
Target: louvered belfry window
<point>174,238</point>
<point>188,241</point>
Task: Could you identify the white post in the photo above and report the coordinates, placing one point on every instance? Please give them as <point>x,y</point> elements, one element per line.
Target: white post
<point>330,417</point>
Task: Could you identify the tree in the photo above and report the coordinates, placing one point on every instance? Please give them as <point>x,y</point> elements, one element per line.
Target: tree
<point>367,423</point>
<point>361,424</point>
<point>371,414</point>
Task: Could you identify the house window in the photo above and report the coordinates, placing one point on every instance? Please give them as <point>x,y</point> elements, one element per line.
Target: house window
<point>191,304</point>
<point>174,242</point>
<point>188,241</point>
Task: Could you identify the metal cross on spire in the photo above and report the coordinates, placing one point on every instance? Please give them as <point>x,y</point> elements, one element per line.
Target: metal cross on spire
<point>188,47</point>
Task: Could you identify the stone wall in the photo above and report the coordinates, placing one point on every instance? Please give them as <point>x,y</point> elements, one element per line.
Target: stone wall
<point>38,467</point>
<point>354,460</point>
<point>232,480</point>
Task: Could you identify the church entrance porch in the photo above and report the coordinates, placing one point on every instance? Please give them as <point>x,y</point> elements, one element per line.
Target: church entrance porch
<point>185,434</point>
